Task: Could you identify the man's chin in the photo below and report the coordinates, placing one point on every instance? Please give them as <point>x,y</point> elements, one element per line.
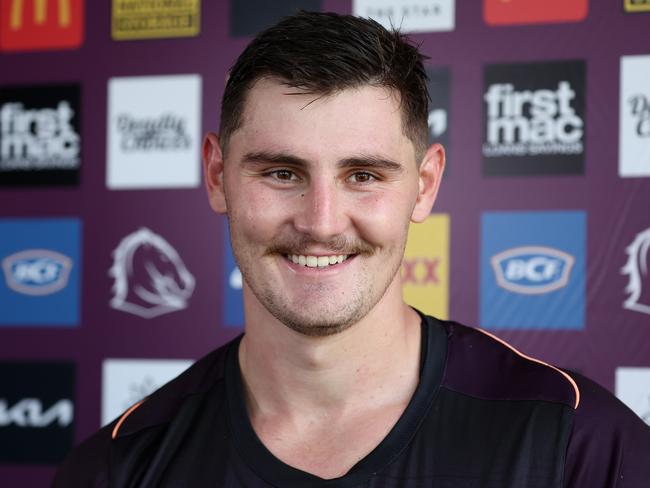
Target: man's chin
<point>318,324</point>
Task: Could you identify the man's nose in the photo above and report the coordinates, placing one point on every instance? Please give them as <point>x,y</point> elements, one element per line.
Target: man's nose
<point>321,213</point>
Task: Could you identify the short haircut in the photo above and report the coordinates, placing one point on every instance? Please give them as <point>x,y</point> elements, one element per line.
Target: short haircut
<point>324,53</point>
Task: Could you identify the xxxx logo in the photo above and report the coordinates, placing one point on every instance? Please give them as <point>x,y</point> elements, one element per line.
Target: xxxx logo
<point>420,271</point>
<point>425,267</point>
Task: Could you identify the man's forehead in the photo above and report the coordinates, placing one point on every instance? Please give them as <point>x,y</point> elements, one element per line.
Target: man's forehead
<point>342,124</point>
<point>273,106</point>
<point>272,90</point>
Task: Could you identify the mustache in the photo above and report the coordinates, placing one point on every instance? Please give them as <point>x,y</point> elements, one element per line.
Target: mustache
<point>336,245</point>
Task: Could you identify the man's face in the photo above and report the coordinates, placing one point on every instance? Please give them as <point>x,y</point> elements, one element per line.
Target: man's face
<point>319,194</point>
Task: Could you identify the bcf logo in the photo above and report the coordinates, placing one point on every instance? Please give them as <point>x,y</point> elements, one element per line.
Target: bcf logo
<point>532,270</point>
<point>37,271</point>
<point>28,25</point>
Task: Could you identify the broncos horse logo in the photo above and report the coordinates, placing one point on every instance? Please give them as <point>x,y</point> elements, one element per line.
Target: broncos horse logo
<point>150,277</point>
<point>638,270</point>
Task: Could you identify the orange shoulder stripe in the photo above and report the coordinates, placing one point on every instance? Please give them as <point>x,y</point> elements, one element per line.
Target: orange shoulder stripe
<point>566,376</point>
<point>123,418</point>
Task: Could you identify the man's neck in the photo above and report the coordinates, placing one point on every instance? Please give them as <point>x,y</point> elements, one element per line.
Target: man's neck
<point>375,362</point>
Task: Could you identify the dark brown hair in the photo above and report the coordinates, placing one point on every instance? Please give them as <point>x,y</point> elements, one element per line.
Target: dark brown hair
<point>323,53</point>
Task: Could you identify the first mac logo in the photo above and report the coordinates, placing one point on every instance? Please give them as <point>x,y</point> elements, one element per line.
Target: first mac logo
<point>532,270</point>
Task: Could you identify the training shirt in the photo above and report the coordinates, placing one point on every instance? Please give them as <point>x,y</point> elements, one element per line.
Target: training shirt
<point>482,416</point>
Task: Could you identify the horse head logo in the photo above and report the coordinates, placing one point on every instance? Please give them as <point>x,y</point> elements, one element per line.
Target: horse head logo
<point>150,277</point>
<point>638,270</point>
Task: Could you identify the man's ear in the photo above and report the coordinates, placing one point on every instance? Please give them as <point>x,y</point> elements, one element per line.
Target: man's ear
<point>430,175</point>
<point>213,172</point>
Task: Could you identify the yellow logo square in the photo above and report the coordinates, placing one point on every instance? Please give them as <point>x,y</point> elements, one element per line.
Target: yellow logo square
<point>637,5</point>
<point>144,19</point>
<point>425,268</point>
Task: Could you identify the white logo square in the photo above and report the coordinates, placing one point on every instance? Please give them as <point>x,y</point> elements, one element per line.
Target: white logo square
<point>634,117</point>
<point>633,389</point>
<point>127,381</point>
<point>153,129</point>
<point>409,15</point>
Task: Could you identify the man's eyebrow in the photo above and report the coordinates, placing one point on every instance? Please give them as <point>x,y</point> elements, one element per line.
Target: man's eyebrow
<point>362,161</point>
<point>274,157</point>
<point>372,161</point>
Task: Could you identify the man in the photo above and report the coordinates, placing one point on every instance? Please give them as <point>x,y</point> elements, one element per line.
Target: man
<point>320,166</point>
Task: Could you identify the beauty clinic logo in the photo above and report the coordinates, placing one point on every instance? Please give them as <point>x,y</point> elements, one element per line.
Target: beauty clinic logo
<point>154,125</point>
<point>31,25</point>
<point>634,117</point>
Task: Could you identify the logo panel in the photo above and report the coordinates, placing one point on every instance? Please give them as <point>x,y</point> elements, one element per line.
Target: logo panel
<point>143,19</point>
<point>425,268</point>
<point>127,381</point>
<point>634,117</point>
<point>534,118</point>
<point>636,6</point>
<point>637,269</point>
<point>633,389</point>
<point>506,12</point>
<point>533,270</point>
<point>409,15</point>
<point>233,300</point>
<point>36,411</point>
<point>40,142</point>
<point>150,278</point>
<point>439,88</point>
<point>41,268</point>
<point>265,14</point>
<point>29,25</point>
<point>154,132</point>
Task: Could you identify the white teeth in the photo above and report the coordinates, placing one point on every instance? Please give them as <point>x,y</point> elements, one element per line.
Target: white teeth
<point>316,261</point>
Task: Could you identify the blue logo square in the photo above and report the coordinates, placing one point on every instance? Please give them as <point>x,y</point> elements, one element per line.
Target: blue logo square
<point>41,272</point>
<point>233,298</point>
<point>533,270</point>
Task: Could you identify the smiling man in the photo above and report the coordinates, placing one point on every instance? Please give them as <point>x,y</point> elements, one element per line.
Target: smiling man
<point>321,165</point>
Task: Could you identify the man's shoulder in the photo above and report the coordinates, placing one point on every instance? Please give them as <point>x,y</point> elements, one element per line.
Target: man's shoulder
<point>608,441</point>
<point>483,366</point>
<point>87,464</point>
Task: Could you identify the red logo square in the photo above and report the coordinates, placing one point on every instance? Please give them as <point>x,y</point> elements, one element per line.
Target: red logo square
<point>505,12</point>
<point>30,25</point>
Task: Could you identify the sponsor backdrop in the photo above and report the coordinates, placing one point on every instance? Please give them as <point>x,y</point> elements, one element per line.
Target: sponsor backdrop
<point>116,275</point>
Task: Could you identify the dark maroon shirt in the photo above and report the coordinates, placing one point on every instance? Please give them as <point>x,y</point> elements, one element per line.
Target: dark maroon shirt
<point>482,416</point>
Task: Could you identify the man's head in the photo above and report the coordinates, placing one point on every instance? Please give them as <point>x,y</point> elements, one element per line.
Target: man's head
<point>326,165</point>
<point>324,53</point>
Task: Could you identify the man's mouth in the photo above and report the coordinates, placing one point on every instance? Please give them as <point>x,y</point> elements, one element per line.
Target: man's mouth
<point>317,261</point>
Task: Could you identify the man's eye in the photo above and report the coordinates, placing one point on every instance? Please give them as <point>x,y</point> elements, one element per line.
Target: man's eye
<point>283,175</point>
<point>363,177</point>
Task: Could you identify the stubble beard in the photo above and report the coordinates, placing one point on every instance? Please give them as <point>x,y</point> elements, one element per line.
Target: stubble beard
<point>334,315</point>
